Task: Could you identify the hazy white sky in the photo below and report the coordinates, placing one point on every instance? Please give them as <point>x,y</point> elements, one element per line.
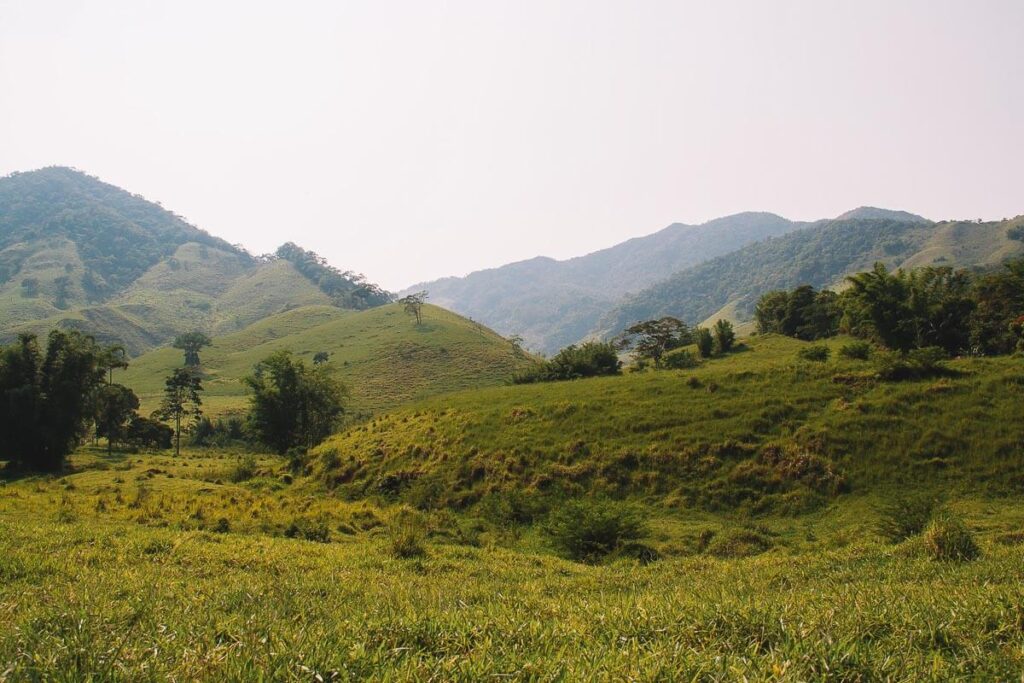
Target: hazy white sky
<point>411,140</point>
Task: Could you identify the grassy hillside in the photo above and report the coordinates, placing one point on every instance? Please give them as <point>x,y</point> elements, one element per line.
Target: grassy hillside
<point>380,354</point>
<point>759,430</point>
<point>821,255</point>
<point>76,252</point>
<point>555,303</point>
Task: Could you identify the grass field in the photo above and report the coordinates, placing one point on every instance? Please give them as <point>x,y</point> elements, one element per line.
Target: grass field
<point>383,358</point>
<point>143,586</point>
<point>761,479</point>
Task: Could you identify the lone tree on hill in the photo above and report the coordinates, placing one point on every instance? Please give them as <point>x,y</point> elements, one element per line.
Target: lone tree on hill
<point>191,343</point>
<point>654,338</point>
<point>181,401</point>
<point>413,304</point>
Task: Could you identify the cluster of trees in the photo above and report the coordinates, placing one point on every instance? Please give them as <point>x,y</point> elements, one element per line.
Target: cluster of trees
<point>902,310</point>
<point>654,340</point>
<point>589,359</point>
<point>346,289</point>
<point>50,400</point>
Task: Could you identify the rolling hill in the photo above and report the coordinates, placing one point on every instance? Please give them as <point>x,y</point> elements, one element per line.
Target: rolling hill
<point>79,253</point>
<point>554,303</point>
<point>380,354</point>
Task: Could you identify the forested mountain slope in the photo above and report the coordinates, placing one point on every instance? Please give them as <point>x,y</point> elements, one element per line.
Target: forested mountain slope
<point>80,253</point>
<point>821,255</point>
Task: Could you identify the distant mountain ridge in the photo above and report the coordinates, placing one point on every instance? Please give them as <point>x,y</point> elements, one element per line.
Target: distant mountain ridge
<point>554,303</point>
<point>76,252</point>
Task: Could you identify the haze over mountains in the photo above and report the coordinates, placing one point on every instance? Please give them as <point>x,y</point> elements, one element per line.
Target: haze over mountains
<point>77,252</point>
<point>695,272</point>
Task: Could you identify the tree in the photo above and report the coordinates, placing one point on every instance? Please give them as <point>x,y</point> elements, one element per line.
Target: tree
<point>517,344</point>
<point>321,357</point>
<point>1000,301</point>
<point>413,305</point>
<point>725,336</point>
<point>292,405</point>
<point>653,338</point>
<point>47,400</point>
<point>705,341</point>
<point>191,343</point>
<point>770,311</point>
<point>116,406</point>
<point>113,357</point>
<point>181,401</point>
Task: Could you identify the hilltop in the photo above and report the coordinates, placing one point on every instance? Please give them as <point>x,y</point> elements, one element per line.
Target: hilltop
<point>76,252</point>
<point>380,354</point>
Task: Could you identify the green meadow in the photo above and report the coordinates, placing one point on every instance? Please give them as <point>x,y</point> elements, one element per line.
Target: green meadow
<point>413,545</point>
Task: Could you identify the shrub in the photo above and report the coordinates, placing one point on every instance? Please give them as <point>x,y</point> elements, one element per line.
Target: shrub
<point>858,350</point>
<point>947,538</point>
<point>739,543</point>
<point>309,529</point>
<point>146,433</point>
<point>406,533</point>
<point>680,359</point>
<point>243,470</point>
<point>589,530</point>
<point>904,516</point>
<point>589,359</point>
<point>915,364</point>
<point>817,353</point>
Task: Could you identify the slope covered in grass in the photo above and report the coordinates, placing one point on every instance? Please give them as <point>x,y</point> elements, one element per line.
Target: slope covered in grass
<point>759,430</point>
<point>381,355</point>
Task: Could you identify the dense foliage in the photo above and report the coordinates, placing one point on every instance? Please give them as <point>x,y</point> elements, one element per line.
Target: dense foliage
<point>346,289</point>
<point>117,235</point>
<point>589,359</point>
<point>47,399</point>
<point>904,310</point>
<point>293,405</point>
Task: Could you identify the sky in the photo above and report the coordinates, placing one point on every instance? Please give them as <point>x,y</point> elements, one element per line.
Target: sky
<point>415,140</point>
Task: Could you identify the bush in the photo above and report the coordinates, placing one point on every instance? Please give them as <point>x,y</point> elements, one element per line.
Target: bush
<point>590,359</point>
<point>817,353</point>
<point>858,350</point>
<point>739,543</point>
<point>915,364</point>
<point>309,529</point>
<point>904,516</point>
<point>680,359</point>
<point>244,470</point>
<point>406,533</point>
<point>947,538</point>
<point>146,433</point>
<point>589,530</point>
<point>725,336</point>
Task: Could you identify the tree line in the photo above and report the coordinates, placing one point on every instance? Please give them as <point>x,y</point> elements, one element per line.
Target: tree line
<point>954,310</point>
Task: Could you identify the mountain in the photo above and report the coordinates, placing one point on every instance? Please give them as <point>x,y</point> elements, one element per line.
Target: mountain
<point>554,303</point>
<point>821,255</point>
<point>875,214</point>
<point>76,252</point>
<point>380,354</point>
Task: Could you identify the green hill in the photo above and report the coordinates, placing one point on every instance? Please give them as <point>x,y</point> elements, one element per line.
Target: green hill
<point>380,354</point>
<point>821,255</point>
<point>758,430</point>
<point>79,253</point>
